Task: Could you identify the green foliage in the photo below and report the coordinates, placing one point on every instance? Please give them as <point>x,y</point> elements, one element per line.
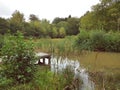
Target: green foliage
<point>98,41</point>
<point>62,46</point>
<point>45,79</point>
<point>70,24</point>
<point>82,41</point>
<point>73,26</point>
<point>112,41</point>
<point>33,17</point>
<point>18,59</point>
<point>54,32</point>
<point>16,22</point>
<point>68,74</point>
<point>37,29</point>
<point>57,20</point>
<point>88,21</point>
<point>4,82</point>
<point>4,26</point>
<point>104,16</point>
<point>62,32</point>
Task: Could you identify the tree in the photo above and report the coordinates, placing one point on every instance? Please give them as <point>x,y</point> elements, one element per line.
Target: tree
<point>62,24</point>
<point>16,22</point>
<point>89,22</point>
<point>46,26</point>
<point>33,17</point>
<point>107,12</point>
<point>53,33</point>
<point>73,26</point>
<point>103,16</point>
<point>57,20</point>
<point>4,26</point>
<point>28,30</point>
<point>62,32</point>
<point>37,29</point>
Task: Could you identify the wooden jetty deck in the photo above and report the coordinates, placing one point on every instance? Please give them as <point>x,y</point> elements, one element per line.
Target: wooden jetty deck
<point>43,56</point>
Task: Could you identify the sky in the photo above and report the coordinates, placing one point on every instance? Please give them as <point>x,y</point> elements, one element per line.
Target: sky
<point>46,9</point>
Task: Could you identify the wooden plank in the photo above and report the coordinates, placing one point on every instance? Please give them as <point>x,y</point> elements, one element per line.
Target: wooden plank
<point>43,55</point>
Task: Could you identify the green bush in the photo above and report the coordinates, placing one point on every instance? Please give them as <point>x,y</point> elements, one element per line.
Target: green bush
<point>82,41</point>
<point>98,41</point>
<point>113,42</point>
<point>18,59</point>
<point>4,82</point>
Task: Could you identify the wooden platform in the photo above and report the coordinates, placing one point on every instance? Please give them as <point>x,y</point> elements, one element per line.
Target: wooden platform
<point>43,56</point>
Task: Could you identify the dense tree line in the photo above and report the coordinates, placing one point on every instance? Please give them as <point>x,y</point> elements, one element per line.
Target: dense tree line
<point>59,28</point>
<point>104,16</point>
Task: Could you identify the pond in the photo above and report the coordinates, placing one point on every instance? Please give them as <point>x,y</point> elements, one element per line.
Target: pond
<point>102,61</point>
<point>105,61</point>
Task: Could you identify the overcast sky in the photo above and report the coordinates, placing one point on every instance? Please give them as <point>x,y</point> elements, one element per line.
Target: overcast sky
<point>46,9</point>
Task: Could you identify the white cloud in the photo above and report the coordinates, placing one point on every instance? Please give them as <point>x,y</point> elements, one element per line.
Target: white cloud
<point>48,9</point>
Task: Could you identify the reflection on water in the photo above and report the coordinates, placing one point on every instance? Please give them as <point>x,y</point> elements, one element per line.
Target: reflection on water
<point>58,64</point>
<point>100,61</point>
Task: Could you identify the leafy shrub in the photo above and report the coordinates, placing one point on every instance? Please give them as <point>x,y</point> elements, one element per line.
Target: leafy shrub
<point>98,41</point>
<point>18,59</point>
<point>82,41</point>
<point>4,82</point>
<point>113,42</point>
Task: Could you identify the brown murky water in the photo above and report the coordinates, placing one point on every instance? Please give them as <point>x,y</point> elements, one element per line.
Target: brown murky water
<point>100,60</point>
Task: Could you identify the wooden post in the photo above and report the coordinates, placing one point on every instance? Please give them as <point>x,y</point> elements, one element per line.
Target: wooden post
<point>39,61</point>
<point>44,61</point>
<point>49,61</point>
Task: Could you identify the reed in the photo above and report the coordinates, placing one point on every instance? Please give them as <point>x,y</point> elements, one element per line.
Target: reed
<point>61,47</point>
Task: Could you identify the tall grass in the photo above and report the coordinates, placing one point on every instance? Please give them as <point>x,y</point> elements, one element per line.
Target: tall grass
<point>45,80</point>
<point>106,81</point>
<point>61,47</point>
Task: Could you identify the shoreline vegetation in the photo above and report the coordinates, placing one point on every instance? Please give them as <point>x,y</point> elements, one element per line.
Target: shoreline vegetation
<point>71,47</point>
